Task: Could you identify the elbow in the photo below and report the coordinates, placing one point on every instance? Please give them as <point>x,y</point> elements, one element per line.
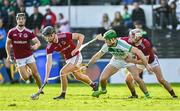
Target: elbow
<point>7,44</point>
<point>81,38</point>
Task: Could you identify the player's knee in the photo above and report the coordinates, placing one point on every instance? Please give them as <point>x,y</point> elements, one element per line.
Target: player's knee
<point>137,78</point>
<point>25,77</point>
<point>78,77</point>
<point>34,72</point>
<point>62,73</point>
<point>103,78</point>
<point>129,79</point>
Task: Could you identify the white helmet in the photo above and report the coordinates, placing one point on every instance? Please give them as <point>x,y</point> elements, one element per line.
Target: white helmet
<point>135,33</point>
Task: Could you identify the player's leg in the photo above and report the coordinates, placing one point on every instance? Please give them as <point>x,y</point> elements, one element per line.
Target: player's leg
<point>84,78</point>
<point>71,66</point>
<point>129,82</point>
<point>35,73</point>
<point>23,72</point>
<point>31,76</point>
<point>64,82</point>
<point>22,68</point>
<point>134,71</point>
<point>107,72</point>
<point>157,71</point>
<point>31,63</point>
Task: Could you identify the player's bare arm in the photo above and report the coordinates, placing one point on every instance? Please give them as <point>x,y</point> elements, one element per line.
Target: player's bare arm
<point>97,56</point>
<point>80,38</point>
<point>48,66</point>
<point>36,45</point>
<point>100,37</point>
<point>143,58</point>
<point>135,60</point>
<point>8,49</point>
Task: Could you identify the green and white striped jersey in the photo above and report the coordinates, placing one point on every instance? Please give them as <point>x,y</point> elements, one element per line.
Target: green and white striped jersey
<point>120,51</point>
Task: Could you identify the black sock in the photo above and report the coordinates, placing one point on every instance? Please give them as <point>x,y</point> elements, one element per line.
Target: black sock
<point>133,93</point>
<point>63,94</point>
<point>172,93</point>
<point>9,74</point>
<point>92,84</point>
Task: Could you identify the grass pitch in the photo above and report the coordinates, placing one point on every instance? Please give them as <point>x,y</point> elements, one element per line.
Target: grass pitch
<point>17,97</point>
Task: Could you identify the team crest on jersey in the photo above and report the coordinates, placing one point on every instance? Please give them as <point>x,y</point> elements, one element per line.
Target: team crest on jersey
<point>25,35</point>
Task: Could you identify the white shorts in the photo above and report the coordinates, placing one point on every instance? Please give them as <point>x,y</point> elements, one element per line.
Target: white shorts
<point>153,64</point>
<point>24,61</point>
<point>76,60</point>
<point>120,63</point>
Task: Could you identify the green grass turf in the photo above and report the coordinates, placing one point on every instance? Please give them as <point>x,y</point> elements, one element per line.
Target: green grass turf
<point>16,97</point>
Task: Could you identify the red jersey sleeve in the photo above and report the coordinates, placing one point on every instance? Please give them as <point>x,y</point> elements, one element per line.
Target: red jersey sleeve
<point>32,35</point>
<point>148,46</point>
<point>49,49</point>
<point>69,36</point>
<point>9,35</point>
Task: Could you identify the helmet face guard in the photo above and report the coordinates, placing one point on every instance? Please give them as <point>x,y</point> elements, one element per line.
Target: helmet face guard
<point>110,34</point>
<point>138,35</point>
<point>135,33</point>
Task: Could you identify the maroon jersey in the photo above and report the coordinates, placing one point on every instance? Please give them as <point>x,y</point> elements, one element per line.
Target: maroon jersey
<point>21,42</point>
<point>65,45</point>
<point>145,47</point>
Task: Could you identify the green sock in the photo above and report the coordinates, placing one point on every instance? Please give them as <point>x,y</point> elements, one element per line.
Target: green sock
<point>146,94</point>
<point>103,88</point>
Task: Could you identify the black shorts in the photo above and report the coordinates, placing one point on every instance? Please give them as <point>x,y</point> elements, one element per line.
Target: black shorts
<point>3,54</point>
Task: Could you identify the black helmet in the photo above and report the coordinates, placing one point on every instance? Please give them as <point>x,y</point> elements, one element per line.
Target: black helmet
<point>48,31</point>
